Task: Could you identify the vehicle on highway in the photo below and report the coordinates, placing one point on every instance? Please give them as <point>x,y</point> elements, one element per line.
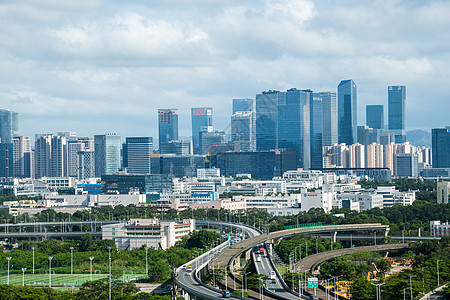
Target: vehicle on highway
<point>261,250</point>
<point>272,275</point>
<point>258,258</point>
<point>226,294</point>
<point>189,270</point>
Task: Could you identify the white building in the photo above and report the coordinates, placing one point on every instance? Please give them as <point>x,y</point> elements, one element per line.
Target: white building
<point>319,199</point>
<point>150,232</point>
<point>207,173</point>
<point>392,197</point>
<point>284,211</point>
<point>367,200</point>
<point>439,229</point>
<point>278,185</point>
<point>265,202</point>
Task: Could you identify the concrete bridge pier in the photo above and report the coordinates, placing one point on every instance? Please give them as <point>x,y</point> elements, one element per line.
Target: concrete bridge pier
<point>334,237</point>
<point>386,232</point>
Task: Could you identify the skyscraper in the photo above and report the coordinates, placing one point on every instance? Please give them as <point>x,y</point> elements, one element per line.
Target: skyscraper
<point>168,125</point>
<point>210,137</point>
<point>323,114</point>
<point>86,164</point>
<point>75,145</point>
<point>138,154</point>
<point>107,154</point>
<point>201,120</point>
<point>375,116</point>
<point>243,130</point>
<point>347,112</point>
<point>245,104</point>
<point>294,124</point>
<point>441,147</point>
<point>22,157</point>
<point>266,120</point>
<point>51,156</point>
<point>396,112</point>
<point>6,160</point>
<point>9,125</point>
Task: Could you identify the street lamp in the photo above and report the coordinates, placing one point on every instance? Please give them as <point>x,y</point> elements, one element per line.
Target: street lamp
<point>71,260</point>
<point>437,268</point>
<point>90,263</point>
<point>50,271</point>
<point>109,250</point>
<point>146,260</point>
<point>8,258</point>
<point>32,248</point>
<point>23,276</point>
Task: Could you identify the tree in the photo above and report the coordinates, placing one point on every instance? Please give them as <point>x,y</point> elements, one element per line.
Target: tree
<point>362,289</point>
<point>99,289</point>
<point>87,243</point>
<point>201,239</point>
<point>159,271</point>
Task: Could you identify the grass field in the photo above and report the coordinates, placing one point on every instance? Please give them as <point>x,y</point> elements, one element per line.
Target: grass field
<point>62,280</point>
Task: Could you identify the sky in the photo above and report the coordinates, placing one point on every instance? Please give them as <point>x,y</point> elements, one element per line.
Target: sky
<point>103,66</point>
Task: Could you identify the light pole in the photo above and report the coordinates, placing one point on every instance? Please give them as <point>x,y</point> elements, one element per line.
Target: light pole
<point>71,260</point>
<point>437,268</point>
<point>146,260</point>
<point>32,248</point>
<point>90,263</point>
<point>23,276</point>
<point>50,271</point>
<point>8,259</point>
<point>109,250</point>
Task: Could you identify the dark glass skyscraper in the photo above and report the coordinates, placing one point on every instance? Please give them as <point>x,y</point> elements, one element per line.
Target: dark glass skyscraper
<point>294,124</point>
<point>347,112</point>
<point>243,105</point>
<point>107,154</point>
<point>316,123</point>
<point>266,120</point>
<point>375,116</point>
<point>329,122</point>
<point>168,125</point>
<point>440,147</point>
<point>137,154</point>
<point>9,125</point>
<point>201,119</point>
<point>396,112</point>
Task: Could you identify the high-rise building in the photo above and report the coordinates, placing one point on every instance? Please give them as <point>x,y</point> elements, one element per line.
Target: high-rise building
<point>375,116</point>
<point>266,120</point>
<point>294,124</point>
<point>201,119</point>
<point>138,153</point>
<point>316,126</point>
<point>329,118</point>
<point>245,104</point>
<point>366,135</point>
<point>9,125</point>
<point>243,130</point>
<point>22,157</point>
<point>75,145</point>
<point>168,125</point>
<point>347,112</point>
<point>441,147</point>
<point>51,156</point>
<point>6,160</point>
<point>406,165</point>
<point>210,137</point>
<point>396,112</point>
<point>86,164</point>
<point>177,147</point>
<point>107,154</point>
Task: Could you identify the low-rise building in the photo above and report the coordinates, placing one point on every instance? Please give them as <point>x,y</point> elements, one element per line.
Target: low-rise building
<point>319,199</point>
<point>438,229</point>
<point>56,183</point>
<point>265,202</point>
<point>367,200</point>
<point>150,232</point>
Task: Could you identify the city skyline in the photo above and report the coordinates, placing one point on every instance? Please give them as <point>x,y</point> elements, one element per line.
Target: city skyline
<point>108,66</point>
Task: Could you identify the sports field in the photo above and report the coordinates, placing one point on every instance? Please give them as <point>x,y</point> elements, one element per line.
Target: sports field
<point>62,280</point>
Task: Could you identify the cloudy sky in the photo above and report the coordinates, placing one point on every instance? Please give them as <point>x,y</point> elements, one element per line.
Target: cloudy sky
<point>96,66</point>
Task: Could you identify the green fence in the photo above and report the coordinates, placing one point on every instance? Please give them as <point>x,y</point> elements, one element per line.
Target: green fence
<point>307,226</point>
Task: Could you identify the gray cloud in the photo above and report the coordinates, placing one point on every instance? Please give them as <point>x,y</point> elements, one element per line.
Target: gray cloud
<point>101,66</point>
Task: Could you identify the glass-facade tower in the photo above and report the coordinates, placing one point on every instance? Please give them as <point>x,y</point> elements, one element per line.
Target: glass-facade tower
<point>441,147</point>
<point>107,154</point>
<point>266,105</point>
<point>396,112</point>
<point>138,153</point>
<point>375,116</point>
<point>244,104</point>
<point>201,120</point>
<point>9,125</point>
<point>347,112</point>
<point>294,124</point>
<point>168,126</point>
